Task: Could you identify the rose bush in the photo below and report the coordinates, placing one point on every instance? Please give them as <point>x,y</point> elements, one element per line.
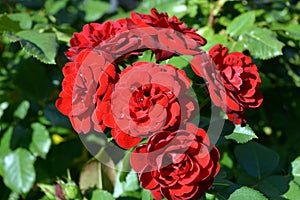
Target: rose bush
<point>178,165</point>
<point>233,81</point>
<point>150,100</point>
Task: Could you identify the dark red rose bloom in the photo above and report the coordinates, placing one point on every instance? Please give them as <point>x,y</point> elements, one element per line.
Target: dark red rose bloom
<point>87,85</point>
<point>91,36</point>
<point>154,23</point>
<point>233,81</point>
<point>147,98</point>
<point>178,165</point>
<point>162,20</point>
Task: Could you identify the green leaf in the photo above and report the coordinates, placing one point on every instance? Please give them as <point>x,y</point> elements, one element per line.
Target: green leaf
<point>240,24</point>
<point>7,24</point>
<point>22,110</point>
<point>291,30</point>
<point>101,194</point>
<point>5,147</point>
<point>242,134</point>
<point>94,9</point>
<point>256,159</point>
<point>130,185</point>
<point>236,46</point>
<point>42,46</point>
<point>296,169</point>
<point>19,173</point>
<point>246,193</point>
<point>23,19</point>
<point>294,185</point>
<point>146,195</point>
<point>41,142</point>
<point>293,192</point>
<point>274,186</point>
<point>261,43</point>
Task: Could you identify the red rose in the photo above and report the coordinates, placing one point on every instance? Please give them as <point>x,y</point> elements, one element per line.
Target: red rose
<point>156,22</point>
<point>149,97</point>
<point>233,81</point>
<point>87,84</point>
<point>91,36</point>
<point>174,43</point>
<point>178,165</point>
<point>162,20</point>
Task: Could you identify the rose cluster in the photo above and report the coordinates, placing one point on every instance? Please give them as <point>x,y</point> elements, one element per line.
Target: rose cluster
<point>146,105</point>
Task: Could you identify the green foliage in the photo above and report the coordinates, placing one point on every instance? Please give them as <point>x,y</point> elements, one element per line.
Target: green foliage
<point>242,134</point>
<point>247,194</point>
<point>256,159</point>
<point>38,144</point>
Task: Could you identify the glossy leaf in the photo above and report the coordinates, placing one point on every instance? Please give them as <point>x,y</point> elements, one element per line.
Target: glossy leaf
<point>5,147</point>
<point>42,46</point>
<point>19,173</point>
<point>242,134</point>
<point>247,193</point>
<point>256,159</point>
<point>41,141</point>
<point>261,43</point>
<point>240,24</point>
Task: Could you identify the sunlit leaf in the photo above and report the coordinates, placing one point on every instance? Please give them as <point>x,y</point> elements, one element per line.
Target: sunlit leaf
<point>242,134</point>
<point>42,46</point>
<point>261,43</point>
<point>19,173</point>
<point>240,24</point>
